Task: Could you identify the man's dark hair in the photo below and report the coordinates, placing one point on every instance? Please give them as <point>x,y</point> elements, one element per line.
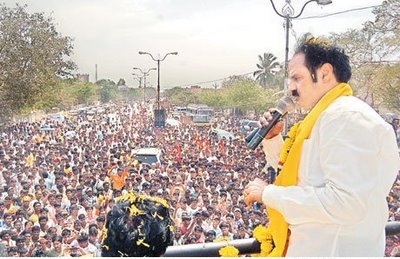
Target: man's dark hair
<point>101,218</point>
<point>43,218</point>
<point>22,250</point>
<point>318,51</point>
<point>12,249</point>
<point>82,238</point>
<point>138,225</point>
<point>39,253</point>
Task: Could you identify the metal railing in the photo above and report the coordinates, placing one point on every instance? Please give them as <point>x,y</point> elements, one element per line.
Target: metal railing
<point>245,246</point>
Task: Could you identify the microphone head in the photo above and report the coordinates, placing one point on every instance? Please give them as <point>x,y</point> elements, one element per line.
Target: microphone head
<point>285,104</point>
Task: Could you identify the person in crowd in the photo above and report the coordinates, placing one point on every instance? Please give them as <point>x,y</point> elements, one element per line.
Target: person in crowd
<point>62,175</point>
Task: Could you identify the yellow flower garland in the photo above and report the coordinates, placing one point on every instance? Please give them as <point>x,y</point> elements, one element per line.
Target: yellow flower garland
<point>221,239</point>
<point>263,235</point>
<point>228,251</point>
<point>289,140</point>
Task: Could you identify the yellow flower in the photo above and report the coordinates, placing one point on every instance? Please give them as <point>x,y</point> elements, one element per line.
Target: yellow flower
<point>318,42</point>
<point>287,145</point>
<point>262,234</point>
<point>134,210</point>
<point>228,251</point>
<point>266,248</point>
<point>221,239</point>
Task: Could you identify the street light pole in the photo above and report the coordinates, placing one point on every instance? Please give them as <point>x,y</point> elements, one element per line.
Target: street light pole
<point>144,75</point>
<point>158,68</point>
<point>288,15</point>
<point>158,84</point>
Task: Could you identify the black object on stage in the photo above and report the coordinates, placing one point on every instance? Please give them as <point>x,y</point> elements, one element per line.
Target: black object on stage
<point>159,118</point>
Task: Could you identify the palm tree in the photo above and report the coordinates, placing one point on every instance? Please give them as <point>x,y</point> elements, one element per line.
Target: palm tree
<point>267,69</point>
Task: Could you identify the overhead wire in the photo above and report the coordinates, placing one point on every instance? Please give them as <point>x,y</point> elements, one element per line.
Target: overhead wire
<point>293,32</point>
<point>211,81</point>
<point>336,13</point>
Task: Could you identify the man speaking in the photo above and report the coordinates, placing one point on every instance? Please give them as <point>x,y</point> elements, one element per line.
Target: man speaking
<point>336,167</point>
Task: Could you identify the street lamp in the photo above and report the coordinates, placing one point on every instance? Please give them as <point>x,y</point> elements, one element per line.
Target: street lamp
<point>158,69</point>
<point>288,14</point>
<point>144,75</point>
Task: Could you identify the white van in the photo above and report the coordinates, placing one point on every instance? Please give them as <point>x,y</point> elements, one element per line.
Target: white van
<point>147,155</point>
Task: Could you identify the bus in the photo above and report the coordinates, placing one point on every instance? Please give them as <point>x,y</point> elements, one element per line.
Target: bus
<point>199,114</point>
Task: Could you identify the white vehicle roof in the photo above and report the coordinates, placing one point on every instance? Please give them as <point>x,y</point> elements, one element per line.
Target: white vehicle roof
<point>146,151</point>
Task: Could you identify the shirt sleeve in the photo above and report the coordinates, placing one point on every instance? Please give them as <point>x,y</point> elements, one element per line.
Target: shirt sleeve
<point>359,162</point>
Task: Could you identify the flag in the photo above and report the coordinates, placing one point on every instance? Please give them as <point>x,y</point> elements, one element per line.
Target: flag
<point>221,147</point>
<point>178,153</point>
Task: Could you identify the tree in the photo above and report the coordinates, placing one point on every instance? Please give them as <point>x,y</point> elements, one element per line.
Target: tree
<point>389,86</point>
<point>107,90</point>
<point>247,95</point>
<point>181,96</point>
<point>83,92</point>
<point>387,25</point>
<point>267,69</point>
<point>121,82</point>
<point>214,98</point>
<point>32,56</point>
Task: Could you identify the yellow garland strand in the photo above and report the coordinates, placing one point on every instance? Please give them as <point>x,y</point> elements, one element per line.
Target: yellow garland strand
<point>221,239</point>
<point>133,210</point>
<point>141,242</point>
<point>263,235</point>
<point>228,251</point>
<point>104,234</point>
<point>171,228</point>
<point>291,136</point>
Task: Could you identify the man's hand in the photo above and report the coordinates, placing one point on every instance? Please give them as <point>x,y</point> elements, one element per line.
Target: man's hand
<point>264,122</point>
<point>253,191</point>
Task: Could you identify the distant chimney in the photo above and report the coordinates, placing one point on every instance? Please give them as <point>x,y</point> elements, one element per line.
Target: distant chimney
<point>95,74</point>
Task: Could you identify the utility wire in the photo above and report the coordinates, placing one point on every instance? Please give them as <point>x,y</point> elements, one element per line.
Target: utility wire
<point>212,81</point>
<point>341,12</point>
<point>377,62</point>
<point>301,18</point>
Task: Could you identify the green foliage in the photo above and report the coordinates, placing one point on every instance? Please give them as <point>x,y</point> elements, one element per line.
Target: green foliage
<point>389,86</point>
<point>107,90</point>
<point>181,96</point>
<point>32,56</point>
<point>267,68</point>
<point>373,80</point>
<point>239,93</point>
<point>121,82</point>
<point>213,98</point>
<point>83,92</point>
<point>247,95</point>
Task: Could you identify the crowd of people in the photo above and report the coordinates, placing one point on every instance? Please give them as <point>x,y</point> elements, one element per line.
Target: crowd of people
<point>60,178</point>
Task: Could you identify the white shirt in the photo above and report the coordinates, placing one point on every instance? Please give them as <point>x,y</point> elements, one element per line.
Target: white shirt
<point>346,170</point>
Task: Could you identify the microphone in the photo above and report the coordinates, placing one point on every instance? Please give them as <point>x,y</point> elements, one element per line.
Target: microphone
<point>251,135</point>
<point>284,105</point>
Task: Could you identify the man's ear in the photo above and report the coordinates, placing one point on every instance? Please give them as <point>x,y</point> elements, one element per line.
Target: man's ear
<point>325,72</point>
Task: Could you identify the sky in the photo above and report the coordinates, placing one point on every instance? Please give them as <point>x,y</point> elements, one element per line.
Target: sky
<point>214,38</point>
